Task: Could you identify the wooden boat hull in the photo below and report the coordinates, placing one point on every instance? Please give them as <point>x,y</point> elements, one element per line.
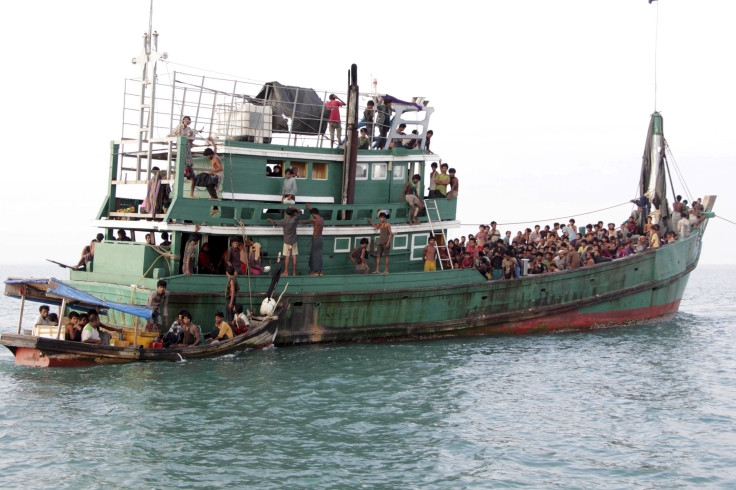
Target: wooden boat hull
<point>45,352</point>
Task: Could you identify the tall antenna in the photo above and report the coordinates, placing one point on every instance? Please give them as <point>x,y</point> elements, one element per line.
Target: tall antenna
<point>656,37</point>
<point>150,20</point>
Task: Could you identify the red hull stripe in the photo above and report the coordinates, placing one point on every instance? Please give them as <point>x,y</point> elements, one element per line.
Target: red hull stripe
<point>576,320</point>
<point>34,357</point>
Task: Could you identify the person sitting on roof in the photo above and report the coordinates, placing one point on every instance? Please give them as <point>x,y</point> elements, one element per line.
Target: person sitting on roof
<point>221,330</point>
<point>398,142</point>
<point>85,259</point>
<point>43,316</point>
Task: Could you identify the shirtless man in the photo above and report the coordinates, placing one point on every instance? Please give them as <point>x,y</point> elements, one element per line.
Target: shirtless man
<point>384,241</point>
<point>315,254</point>
<point>411,195</point>
<point>358,256</point>
<point>454,185</point>
<point>429,256</point>
<point>217,170</point>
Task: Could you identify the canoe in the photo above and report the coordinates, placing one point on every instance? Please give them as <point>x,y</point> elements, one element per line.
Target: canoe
<point>30,350</point>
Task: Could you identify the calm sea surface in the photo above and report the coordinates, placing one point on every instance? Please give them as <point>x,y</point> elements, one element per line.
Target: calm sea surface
<point>652,406</point>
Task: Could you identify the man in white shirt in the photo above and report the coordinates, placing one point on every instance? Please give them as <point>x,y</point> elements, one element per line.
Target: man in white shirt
<point>43,317</point>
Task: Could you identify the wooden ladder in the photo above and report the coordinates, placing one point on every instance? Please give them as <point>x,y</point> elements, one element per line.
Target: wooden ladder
<point>431,205</point>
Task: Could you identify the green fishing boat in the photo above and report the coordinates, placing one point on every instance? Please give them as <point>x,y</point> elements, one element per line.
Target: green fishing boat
<point>258,132</point>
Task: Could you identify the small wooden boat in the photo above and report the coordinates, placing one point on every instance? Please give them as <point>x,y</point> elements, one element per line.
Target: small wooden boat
<point>45,351</point>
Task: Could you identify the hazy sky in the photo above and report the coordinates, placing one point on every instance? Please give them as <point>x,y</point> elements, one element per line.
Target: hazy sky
<point>541,105</point>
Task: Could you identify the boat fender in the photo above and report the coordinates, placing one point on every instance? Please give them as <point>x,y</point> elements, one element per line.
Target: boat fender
<point>268,307</point>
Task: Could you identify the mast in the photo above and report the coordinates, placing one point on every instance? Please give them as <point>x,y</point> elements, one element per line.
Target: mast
<point>148,60</point>
<point>351,141</point>
<point>652,182</point>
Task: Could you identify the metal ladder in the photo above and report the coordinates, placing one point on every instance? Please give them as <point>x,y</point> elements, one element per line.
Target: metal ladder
<point>431,205</point>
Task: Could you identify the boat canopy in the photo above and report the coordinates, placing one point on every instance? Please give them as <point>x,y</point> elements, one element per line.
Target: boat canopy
<point>54,291</point>
<point>310,116</point>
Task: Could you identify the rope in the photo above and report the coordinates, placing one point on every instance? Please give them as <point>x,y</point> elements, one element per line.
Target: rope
<point>247,269</point>
<point>680,176</point>
<point>552,219</point>
<point>728,220</point>
<point>656,38</point>
<point>135,286</point>
<point>165,253</point>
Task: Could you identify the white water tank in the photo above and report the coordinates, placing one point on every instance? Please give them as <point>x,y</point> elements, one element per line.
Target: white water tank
<point>244,120</point>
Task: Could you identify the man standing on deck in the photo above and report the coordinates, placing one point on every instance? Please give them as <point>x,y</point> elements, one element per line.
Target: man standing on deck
<point>429,256</point>
<point>190,254</point>
<point>217,171</point>
<point>289,224</point>
<point>384,122</point>
<point>233,256</point>
<point>384,241</point>
<point>454,185</point>
<point>442,180</point>
<point>334,105</point>
<point>315,254</point>
<point>159,299</point>
<point>432,185</point>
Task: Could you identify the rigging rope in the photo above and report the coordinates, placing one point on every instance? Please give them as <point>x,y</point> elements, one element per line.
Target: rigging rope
<point>724,219</point>
<point>553,219</point>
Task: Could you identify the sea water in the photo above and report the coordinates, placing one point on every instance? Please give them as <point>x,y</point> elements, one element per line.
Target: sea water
<point>649,406</point>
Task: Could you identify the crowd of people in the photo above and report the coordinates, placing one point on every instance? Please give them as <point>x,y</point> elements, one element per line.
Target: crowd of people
<point>558,246</point>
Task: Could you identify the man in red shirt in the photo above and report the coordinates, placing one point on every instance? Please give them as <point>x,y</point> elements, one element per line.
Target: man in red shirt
<point>334,105</point>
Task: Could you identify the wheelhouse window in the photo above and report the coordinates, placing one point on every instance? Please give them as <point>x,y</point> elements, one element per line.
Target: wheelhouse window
<point>301,168</point>
<point>319,171</point>
<point>274,168</point>
<point>361,171</point>
<point>380,171</point>
<point>399,172</point>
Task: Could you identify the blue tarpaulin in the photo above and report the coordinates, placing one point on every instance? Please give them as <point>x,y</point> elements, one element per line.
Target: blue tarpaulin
<point>60,290</point>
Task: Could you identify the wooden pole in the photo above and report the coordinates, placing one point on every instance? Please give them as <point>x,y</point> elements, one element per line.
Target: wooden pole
<point>22,305</point>
<point>61,318</point>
